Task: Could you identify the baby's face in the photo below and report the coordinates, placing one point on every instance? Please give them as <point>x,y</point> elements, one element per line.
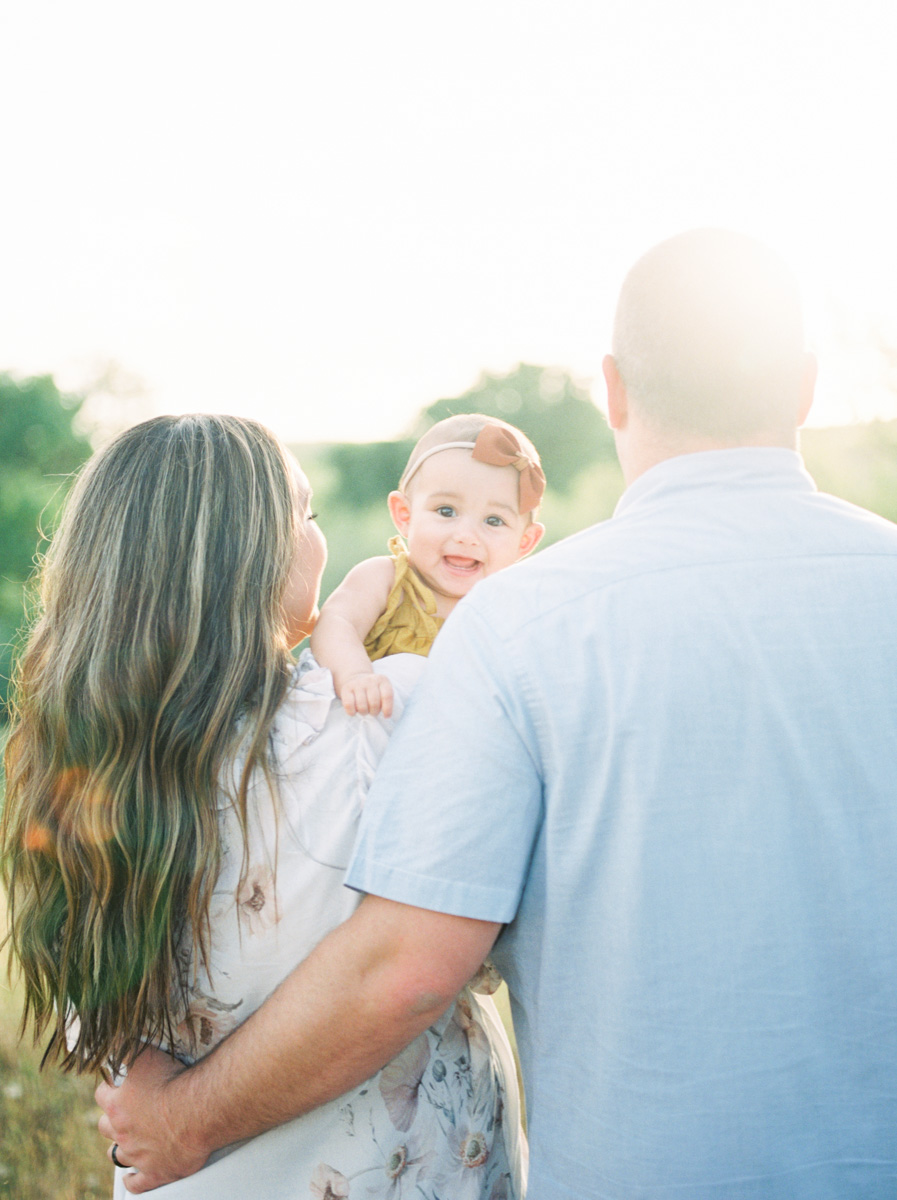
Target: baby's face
<point>461,522</point>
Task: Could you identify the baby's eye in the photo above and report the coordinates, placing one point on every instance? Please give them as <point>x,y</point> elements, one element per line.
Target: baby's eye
<point>445,510</point>
<point>312,516</point>
<point>494,521</point>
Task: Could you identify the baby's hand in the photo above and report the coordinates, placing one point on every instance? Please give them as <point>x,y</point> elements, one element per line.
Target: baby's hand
<point>368,693</point>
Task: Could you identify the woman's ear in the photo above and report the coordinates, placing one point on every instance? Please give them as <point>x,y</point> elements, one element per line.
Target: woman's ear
<point>532,535</point>
<point>400,511</point>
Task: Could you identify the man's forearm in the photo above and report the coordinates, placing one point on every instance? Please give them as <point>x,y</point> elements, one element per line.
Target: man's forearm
<point>356,1001</point>
<point>327,1028</point>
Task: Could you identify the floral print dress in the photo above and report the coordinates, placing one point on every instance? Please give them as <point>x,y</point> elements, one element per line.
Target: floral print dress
<point>439,1122</point>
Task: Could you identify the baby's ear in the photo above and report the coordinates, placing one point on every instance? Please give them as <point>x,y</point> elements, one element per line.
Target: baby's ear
<point>400,511</point>
<point>532,535</point>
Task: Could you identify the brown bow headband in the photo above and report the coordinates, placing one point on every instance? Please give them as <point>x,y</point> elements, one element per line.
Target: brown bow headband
<point>497,447</point>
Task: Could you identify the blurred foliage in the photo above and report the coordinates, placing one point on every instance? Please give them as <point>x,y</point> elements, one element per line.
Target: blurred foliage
<point>856,462</point>
<point>367,472</point>
<point>49,1145</point>
<point>39,449</point>
<point>556,413</point>
<point>552,409</point>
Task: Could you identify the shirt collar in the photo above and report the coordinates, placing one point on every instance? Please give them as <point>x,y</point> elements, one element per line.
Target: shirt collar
<point>760,467</point>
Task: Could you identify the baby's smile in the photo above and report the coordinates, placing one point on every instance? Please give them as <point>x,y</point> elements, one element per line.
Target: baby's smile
<point>457,563</point>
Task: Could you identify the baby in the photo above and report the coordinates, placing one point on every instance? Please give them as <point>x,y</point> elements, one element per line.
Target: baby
<point>466,505</point>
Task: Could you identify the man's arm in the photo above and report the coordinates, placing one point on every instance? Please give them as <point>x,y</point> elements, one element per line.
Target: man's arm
<point>360,997</point>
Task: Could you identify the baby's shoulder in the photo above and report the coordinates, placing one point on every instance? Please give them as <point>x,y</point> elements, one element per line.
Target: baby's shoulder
<point>372,571</point>
<point>372,578</point>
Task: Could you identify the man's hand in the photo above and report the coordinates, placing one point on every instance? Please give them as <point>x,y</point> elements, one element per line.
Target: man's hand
<point>367,694</point>
<point>136,1119</point>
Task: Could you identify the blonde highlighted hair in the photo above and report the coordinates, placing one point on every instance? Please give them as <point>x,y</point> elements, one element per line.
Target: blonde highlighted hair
<point>158,657</point>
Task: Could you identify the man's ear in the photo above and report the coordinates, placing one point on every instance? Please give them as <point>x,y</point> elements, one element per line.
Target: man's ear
<point>617,400</point>
<point>807,387</point>
<point>532,535</point>
<point>400,511</point>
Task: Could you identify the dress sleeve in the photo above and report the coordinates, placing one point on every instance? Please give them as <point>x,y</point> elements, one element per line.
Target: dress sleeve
<point>454,813</point>
<point>326,759</point>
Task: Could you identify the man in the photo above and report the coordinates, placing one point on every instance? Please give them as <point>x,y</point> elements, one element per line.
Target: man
<point>662,756</point>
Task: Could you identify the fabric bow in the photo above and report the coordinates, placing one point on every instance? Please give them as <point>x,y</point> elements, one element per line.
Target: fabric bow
<point>499,447</point>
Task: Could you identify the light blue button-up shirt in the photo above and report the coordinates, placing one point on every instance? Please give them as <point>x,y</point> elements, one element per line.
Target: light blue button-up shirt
<point>665,753</point>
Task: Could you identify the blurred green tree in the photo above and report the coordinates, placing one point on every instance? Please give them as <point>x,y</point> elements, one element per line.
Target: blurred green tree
<point>555,412</point>
<point>547,403</point>
<point>39,449</point>
<point>366,472</point>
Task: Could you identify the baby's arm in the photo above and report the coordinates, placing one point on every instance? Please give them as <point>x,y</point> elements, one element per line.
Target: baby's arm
<point>338,638</point>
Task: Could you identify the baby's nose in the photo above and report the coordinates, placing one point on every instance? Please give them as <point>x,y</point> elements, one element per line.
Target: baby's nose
<point>467,534</point>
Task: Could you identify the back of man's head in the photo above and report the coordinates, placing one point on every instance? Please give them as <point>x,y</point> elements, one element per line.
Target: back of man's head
<point>708,338</point>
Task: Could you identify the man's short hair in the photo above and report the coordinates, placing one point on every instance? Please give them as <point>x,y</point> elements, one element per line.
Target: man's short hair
<point>709,339</point>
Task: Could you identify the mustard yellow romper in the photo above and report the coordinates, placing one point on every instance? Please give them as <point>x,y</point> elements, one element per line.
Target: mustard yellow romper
<point>408,624</point>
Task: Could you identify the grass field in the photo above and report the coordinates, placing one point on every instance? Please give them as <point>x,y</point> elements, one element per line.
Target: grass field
<point>49,1145</point>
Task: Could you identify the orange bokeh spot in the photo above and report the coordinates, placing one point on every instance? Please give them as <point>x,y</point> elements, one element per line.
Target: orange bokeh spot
<point>69,786</point>
<point>80,806</point>
<point>37,838</point>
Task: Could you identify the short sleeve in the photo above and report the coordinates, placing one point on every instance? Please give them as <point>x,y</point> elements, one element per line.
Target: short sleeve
<point>456,806</point>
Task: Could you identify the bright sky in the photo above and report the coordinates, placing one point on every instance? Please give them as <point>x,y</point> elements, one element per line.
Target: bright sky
<point>327,216</point>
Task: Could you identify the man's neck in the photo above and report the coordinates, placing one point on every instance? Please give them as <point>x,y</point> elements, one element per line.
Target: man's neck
<point>645,447</point>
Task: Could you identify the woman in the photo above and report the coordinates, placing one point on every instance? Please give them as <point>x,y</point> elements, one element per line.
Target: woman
<point>181,802</point>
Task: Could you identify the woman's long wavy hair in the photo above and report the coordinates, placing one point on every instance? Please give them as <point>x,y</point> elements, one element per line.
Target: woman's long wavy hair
<point>158,656</point>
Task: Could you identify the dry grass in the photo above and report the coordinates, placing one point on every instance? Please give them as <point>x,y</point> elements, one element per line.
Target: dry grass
<point>49,1145</point>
